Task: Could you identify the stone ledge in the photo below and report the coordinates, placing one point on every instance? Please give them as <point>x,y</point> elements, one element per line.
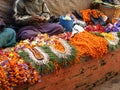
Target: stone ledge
<point>81,76</point>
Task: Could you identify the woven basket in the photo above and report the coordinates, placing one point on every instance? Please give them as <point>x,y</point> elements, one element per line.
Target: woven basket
<point>111,12</point>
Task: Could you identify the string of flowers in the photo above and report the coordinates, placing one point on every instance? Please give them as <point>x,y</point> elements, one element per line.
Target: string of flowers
<point>62,49</point>
<point>39,56</point>
<point>88,12</point>
<point>59,47</point>
<point>14,71</point>
<point>61,53</point>
<point>95,28</point>
<point>40,40</point>
<point>113,39</point>
<point>89,45</point>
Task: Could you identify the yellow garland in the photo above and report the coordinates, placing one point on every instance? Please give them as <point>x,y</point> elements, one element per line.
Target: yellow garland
<point>108,36</point>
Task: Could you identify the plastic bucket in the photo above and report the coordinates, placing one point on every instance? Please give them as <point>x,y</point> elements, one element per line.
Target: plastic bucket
<point>67,24</point>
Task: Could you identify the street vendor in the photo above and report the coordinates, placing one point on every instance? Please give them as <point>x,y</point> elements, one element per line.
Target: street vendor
<point>33,15</point>
<point>7,35</point>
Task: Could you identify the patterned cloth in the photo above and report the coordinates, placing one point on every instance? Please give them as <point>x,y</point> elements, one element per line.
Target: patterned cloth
<point>113,27</point>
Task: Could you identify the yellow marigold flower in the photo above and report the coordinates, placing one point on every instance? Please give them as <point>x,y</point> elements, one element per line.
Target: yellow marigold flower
<point>108,36</point>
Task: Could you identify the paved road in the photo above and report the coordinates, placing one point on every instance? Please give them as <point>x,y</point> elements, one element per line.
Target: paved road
<point>113,84</point>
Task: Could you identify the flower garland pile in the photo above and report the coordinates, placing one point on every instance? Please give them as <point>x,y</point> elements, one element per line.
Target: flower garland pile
<point>14,71</point>
<point>89,45</point>
<point>65,35</point>
<point>40,40</point>
<point>86,14</point>
<point>62,56</point>
<point>47,53</point>
<point>113,39</point>
<point>95,28</point>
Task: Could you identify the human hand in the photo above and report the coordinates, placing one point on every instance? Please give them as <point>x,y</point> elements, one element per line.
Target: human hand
<point>38,18</point>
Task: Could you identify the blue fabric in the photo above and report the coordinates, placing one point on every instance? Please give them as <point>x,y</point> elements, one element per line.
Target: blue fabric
<point>7,37</point>
<point>67,24</point>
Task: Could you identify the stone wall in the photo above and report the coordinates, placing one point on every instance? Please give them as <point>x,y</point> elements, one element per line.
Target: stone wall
<point>6,9</point>
<point>57,7</point>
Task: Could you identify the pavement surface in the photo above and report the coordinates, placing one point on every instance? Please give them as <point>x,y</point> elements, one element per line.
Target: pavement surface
<point>112,84</point>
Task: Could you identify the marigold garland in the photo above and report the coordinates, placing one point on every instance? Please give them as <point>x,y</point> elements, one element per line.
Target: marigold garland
<point>59,47</point>
<point>86,14</point>
<point>14,72</point>
<point>113,39</point>
<point>19,72</point>
<point>89,45</point>
<point>55,56</point>
<point>64,49</point>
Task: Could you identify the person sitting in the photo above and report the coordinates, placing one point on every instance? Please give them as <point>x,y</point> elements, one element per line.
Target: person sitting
<point>7,35</point>
<point>33,15</point>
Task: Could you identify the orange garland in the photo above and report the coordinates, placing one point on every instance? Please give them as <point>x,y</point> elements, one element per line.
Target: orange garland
<point>89,45</point>
<point>3,79</point>
<point>13,72</point>
<point>58,46</point>
<point>86,14</point>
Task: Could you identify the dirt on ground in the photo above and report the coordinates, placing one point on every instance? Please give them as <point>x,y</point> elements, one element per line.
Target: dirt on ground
<point>112,84</point>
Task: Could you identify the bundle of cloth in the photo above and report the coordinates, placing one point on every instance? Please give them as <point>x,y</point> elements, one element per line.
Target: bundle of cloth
<point>7,35</point>
<point>113,27</point>
<point>115,2</point>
